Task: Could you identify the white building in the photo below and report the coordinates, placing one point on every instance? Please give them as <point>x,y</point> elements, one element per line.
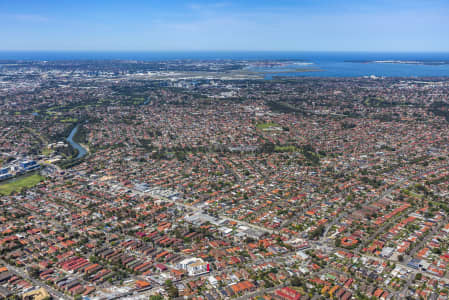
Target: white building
<point>194,266</point>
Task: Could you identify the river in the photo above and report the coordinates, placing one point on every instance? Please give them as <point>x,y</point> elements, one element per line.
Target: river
<point>81,150</point>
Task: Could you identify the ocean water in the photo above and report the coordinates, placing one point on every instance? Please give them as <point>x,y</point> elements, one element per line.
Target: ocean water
<point>331,64</point>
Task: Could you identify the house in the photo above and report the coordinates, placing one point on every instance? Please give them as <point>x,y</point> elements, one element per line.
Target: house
<point>287,293</point>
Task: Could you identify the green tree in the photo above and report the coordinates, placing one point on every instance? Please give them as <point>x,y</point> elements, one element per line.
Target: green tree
<point>171,289</point>
<point>296,281</point>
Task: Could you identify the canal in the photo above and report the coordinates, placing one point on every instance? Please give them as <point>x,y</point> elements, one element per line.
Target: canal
<point>81,150</point>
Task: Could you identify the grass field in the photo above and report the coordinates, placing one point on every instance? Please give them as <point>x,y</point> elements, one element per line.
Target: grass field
<point>19,184</point>
<point>69,120</point>
<point>285,149</point>
<point>46,151</point>
<point>266,125</point>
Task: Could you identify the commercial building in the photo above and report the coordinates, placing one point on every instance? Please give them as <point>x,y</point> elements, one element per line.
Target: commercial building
<point>194,266</point>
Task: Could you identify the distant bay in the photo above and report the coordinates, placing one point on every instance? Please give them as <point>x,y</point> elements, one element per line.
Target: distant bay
<point>330,64</point>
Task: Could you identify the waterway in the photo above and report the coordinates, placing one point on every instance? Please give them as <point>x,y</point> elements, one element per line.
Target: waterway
<point>330,64</point>
<point>81,150</point>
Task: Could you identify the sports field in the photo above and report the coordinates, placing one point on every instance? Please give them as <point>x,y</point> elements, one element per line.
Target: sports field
<point>8,188</point>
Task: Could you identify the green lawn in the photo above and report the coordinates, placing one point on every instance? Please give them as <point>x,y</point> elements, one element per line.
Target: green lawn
<point>19,184</point>
<point>266,125</point>
<point>46,151</point>
<point>69,120</point>
<point>290,148</point>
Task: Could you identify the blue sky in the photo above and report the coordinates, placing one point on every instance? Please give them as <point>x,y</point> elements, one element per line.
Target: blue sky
<point>285,25</point>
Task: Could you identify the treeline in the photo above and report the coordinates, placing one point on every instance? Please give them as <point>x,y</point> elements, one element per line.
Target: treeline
<point>282,107</point>
<point>81,134</point>
<point>372,181</point>
<point>441,109</point>
<point>309,152</point>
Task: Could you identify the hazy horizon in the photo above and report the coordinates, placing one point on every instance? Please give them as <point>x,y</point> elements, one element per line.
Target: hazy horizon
<point>218,51</point>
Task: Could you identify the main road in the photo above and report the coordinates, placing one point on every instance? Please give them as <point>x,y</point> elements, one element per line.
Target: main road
<point>18,272</point>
